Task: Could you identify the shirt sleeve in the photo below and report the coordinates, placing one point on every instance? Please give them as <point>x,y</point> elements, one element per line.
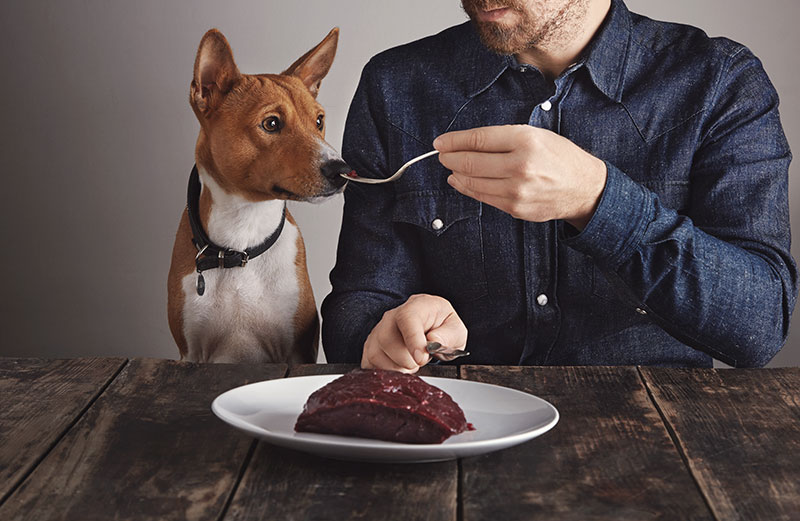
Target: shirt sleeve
<point>377,264</point>
<point>721,278</point>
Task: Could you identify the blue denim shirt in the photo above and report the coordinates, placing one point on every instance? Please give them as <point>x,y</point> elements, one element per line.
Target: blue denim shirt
<point>687,257</point>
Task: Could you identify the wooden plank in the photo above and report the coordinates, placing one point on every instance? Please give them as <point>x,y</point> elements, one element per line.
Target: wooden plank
<point>41,400</point>
<point>312,369</point>
<point>281,484</point>
<point>149,448</point>
<point>740,432</point>
<point>443,371</point>
<point>609,457</point>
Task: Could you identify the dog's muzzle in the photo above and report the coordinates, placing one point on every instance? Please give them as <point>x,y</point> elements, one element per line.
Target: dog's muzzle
<point>333,170</point>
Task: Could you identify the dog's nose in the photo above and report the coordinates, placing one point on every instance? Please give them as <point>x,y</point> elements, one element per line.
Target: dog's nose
<point>333,169</point>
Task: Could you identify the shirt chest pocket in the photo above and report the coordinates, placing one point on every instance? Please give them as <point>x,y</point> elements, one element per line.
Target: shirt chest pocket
<point>447,226</point>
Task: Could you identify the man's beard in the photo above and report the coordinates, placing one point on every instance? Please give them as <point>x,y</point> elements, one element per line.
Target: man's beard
<point>504,39</point>
<point>529,30</point>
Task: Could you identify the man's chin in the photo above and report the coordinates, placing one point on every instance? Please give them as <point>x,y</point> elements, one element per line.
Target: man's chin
<point>499,39</point>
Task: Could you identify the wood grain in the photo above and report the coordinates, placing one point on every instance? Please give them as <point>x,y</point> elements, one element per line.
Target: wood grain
<point>41,399</point>
<point>149,448</point>
<point>740,432</point>
<point>314,369</point>
<point>81,440</point>
<point>610,456</point>
<point>443,371</point>
<point>281,484</point>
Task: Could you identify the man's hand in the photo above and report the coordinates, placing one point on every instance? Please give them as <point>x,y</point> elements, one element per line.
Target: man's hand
<point>398,341</point>
<point>528,172</point>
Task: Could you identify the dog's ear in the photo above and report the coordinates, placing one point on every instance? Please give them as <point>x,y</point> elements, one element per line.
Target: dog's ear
<point>315,64</point>
<point>215,72</point>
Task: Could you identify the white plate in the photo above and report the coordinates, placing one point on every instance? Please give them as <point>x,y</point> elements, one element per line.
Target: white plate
<point>502,417</point>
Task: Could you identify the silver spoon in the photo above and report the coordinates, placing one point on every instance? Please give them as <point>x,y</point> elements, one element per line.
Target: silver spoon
<point>353,176</point>
<point>445,354</point>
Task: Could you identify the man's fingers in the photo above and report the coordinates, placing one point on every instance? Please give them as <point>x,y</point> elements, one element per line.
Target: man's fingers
<point>401,357</point>
<point>419,315</point>
<point>398,341</point>
<point>412,330</point>
<point>393,343</point>
<point>480,185</point>
<point>477,164</point>
<point>498,201</point>
<point>386,338</point>
<point>378,359</point>
<point>452,332</point>
<point>481,139</point>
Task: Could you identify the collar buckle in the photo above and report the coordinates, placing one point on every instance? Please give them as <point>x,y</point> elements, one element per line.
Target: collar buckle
<point>205,260</point>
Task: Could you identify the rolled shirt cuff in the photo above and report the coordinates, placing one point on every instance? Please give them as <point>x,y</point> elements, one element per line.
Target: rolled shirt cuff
<point>618,224</point>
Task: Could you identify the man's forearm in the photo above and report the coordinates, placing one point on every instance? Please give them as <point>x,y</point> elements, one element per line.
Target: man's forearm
<point>347,319</point>
<point>731,299</point>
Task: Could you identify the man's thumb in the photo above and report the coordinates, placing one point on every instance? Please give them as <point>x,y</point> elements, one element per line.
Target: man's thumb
<point>451,333</point>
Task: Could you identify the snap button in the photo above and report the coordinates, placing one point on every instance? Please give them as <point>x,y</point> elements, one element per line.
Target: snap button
<point>437,224</point>
<point>546,106</point>
<point>641,311</point>
<point>541,300</point>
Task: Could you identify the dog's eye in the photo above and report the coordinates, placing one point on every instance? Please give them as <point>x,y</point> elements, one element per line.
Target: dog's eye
<point>271,124</point>
<point>320,121</point>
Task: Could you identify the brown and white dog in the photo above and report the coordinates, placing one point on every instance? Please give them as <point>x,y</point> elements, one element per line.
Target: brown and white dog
<point>261,142</point>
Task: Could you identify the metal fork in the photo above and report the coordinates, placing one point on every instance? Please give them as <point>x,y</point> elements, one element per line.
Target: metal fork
<point>352,176</point>
<point>445,354</point>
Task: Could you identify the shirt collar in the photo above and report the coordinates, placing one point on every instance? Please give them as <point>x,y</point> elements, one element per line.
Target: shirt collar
<point>605,57</point>
<point>487,65</point>
<point>607,53</point>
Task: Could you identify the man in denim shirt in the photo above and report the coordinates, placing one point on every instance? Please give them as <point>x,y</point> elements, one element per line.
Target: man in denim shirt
<point>610,190</point>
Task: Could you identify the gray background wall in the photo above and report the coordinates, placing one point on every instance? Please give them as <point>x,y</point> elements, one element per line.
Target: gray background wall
<point>97,140</point>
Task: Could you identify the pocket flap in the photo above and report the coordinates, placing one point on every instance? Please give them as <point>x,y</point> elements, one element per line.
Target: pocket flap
<point>434,211</point>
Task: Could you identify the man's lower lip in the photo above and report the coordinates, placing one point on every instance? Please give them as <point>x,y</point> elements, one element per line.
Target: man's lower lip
<point>493,15</point>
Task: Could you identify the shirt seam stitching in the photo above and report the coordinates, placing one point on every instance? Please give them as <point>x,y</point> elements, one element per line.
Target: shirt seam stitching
<point>723,73</point>
<point>404,131</point>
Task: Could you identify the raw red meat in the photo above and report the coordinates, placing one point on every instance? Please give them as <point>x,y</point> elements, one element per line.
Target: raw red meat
<point>384,405</point>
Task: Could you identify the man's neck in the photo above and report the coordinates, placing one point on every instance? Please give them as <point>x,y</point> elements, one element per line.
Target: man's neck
<point>557,54</point>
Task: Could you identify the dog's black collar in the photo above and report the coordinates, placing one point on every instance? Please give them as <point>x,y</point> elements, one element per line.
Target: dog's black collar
<point>210,255</point>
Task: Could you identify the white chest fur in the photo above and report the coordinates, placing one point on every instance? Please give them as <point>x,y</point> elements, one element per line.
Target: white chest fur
<point>245,313</point>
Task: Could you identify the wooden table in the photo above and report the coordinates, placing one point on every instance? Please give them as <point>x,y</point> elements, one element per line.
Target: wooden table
<point>109,438</point>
